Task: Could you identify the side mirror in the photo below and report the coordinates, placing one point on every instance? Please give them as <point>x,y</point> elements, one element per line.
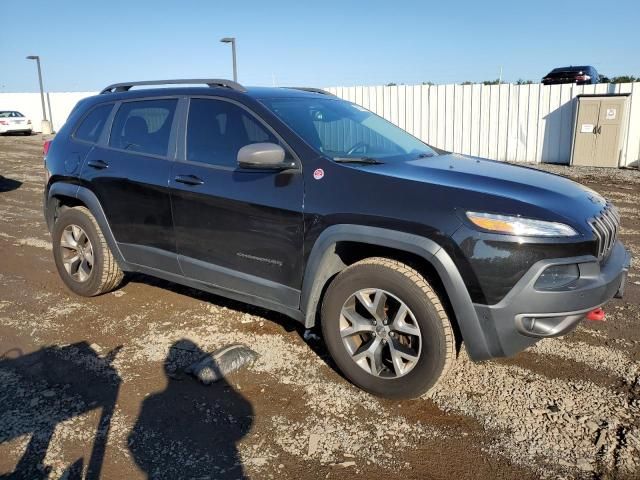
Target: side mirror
<point>263,156</point>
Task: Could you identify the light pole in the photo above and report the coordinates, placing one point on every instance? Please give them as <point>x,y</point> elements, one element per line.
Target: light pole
<point>46,125</point>
<point>232,41</point>
<point>37,59</point>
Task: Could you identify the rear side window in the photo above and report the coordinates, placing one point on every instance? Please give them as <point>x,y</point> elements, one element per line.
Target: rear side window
<point>217,129</point>
<point>11,115</point>
<point>91,126</point>
<point>144,126</point>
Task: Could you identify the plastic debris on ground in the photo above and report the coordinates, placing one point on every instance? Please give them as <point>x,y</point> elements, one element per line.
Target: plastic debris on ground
<point>217,365</point>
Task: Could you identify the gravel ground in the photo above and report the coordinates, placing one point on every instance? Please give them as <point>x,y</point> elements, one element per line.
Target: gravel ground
<point>95,387</point>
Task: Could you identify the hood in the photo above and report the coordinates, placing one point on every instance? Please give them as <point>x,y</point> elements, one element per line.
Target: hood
<point>504,188</point>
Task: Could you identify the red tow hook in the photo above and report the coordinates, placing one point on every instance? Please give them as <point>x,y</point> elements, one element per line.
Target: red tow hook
<point>596,315</point>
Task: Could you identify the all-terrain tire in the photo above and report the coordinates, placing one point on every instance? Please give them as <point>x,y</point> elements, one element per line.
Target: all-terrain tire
<point>437,354</point>
<point>105,273</point>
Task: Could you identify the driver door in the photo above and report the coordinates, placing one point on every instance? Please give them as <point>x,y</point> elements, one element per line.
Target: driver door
<point>237,229</point>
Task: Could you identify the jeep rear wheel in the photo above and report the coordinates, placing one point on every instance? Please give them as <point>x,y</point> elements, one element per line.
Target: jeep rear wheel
<point>81,254</point>
<point>386,329</point>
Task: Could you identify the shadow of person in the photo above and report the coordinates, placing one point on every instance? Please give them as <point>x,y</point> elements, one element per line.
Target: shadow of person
<point>40,390</point>
<point>189,430</point>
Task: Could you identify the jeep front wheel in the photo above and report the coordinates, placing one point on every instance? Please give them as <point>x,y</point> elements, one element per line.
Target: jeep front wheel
<point>386,328</point>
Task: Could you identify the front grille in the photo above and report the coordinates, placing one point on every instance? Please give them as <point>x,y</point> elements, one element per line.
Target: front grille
<point>605,226</point>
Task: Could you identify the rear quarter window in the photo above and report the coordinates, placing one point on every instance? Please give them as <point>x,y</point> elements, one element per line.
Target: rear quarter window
<point>92,124</point>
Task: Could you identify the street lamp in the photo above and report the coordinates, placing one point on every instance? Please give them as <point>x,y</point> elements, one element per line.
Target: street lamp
<point>232,41</point>
<point>46,127</point>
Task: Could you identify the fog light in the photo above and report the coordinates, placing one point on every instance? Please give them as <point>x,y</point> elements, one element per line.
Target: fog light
<point>557,276</point>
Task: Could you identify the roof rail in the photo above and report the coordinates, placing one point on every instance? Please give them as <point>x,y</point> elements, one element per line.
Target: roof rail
<point>313,90</point>
<point>211,82</point>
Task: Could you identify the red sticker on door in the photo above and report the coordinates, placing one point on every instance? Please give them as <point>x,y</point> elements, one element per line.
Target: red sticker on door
<point>318,173</point>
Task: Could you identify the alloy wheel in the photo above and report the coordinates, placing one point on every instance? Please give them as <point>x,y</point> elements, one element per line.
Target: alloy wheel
<point>77,253</point>
<point>380,333</point>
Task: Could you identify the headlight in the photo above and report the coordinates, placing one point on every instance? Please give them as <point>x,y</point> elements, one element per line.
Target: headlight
<point>527,227</point>
<point>557,276</point>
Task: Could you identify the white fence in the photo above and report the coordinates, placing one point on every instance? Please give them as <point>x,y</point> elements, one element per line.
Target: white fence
<point>524,123</point>
<point>29,104</point>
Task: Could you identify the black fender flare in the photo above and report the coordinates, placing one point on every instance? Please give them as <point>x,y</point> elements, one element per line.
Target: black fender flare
<point>324,263</point>
<point>89,199</point>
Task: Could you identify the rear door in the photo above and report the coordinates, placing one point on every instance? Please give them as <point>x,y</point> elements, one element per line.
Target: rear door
<point>237,229</point>
<point>129,173</point>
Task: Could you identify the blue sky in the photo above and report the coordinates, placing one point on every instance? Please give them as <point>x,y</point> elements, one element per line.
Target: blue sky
<point>85,45</point>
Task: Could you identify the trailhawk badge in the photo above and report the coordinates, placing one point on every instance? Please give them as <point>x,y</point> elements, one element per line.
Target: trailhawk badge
<point>318,174</point>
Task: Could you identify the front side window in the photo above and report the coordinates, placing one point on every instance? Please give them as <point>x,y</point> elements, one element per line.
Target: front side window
<point>216,130</point>
<point>91,126</point>
<point>144,126</point>
<point>340,129</point>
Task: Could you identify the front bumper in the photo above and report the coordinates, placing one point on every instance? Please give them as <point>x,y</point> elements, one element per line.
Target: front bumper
<point>526,315</point>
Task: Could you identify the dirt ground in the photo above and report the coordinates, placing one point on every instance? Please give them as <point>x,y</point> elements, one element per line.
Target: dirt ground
<point>95,387</point>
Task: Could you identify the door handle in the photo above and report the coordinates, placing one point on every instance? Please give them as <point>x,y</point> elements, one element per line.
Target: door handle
<point>99,164</point>
<point>599,129</point>
<point>189,180</point>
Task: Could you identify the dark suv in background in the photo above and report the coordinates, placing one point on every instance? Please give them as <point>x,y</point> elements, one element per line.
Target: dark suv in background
<point>585,75</point>
<point>299,202</point>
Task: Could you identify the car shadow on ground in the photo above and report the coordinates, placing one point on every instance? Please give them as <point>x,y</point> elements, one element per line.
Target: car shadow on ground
<point>186,430</point>
<point>315,341</point>
<point>9,184</point>
<point>285,322</point>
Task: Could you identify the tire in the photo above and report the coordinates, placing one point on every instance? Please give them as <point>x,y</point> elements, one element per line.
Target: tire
<point>431,347</point>
<point>102,274</point>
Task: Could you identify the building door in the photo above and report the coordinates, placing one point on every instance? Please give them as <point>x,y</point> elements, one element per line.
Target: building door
<point>598,131</point>
<point>586,132</point>
<point>609,131</point>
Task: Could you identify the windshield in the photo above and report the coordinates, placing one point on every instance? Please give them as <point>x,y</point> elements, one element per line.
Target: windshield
<point>340,129</point>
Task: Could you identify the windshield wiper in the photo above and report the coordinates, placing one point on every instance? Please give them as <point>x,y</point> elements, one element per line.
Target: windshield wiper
<point>425,155</point>
<point>365,160</point>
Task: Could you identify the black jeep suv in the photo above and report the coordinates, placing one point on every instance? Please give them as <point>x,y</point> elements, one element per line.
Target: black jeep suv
<point>299,202</point>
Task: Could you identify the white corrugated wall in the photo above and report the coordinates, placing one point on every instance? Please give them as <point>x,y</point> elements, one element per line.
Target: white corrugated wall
<point>522,123</point>
<point>29,104</point>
